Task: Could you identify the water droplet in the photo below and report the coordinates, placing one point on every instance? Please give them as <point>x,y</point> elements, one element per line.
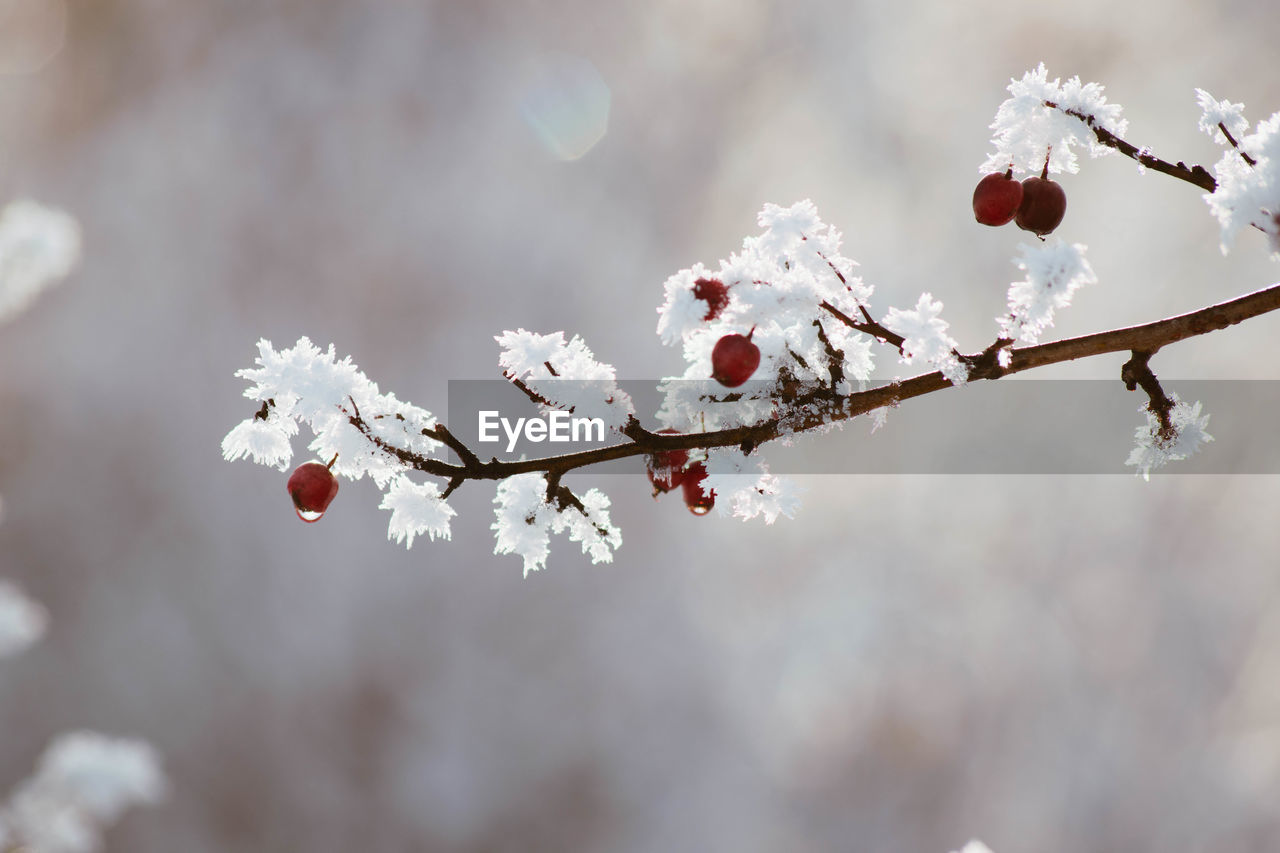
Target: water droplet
<point>699,509</point>
<point>309,516</point>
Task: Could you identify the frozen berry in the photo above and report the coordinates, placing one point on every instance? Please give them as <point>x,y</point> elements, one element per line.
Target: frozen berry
<point>996,198</point>
<point>713,292</point>
<point>734,359</point>
<point>666,468</point>
<point>312,487</point>
<point>1043,205</point>
<point>696,499</point>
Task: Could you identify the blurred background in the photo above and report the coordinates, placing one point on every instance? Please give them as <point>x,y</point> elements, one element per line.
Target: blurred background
<point>1047,663</point>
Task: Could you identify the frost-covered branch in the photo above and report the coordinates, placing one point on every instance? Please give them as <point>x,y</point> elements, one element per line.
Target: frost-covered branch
<point>823,406</point>
<point>1197,175</point>
<point>787,313</point>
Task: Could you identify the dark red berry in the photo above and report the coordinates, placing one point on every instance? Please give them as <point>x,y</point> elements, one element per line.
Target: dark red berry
<point>698,501</point>
<point>734,359</point>
<point>312,487</point>
<point>713,292</point>
<point>666,468</point>
<point>996,198</point>
<point>1043,205</point>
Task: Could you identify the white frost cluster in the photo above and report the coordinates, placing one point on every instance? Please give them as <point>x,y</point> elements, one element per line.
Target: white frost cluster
<point>1054,272</point>
<point>39,246</point>
<point>1248,195</point>
<point>566,375</point>
<point>745,488</point>
<point>416,509</point>
<point>307,385</point>
<point>83,782</point>
<point>1025,129</point>
<point>525,522</point>
<point>1214,112</point>
<point>776,286</point>
<point>926,339</point>
<point>1151,451</point>
<point>22,621</point>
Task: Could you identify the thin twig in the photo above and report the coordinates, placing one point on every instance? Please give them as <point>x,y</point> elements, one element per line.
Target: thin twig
<point>835,357</point>
<point>1136,373</point>
<point>1222,127</point>
<point>441,432</point>
<point>1197,175</point>
<point>867,325</point>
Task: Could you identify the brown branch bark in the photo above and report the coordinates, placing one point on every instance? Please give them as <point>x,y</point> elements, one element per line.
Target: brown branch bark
<point>1197,175</point>
<point>1146,339</point>
<point>866,325</point>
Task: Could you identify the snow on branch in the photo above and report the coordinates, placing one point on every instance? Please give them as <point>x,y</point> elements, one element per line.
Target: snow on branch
<point>1248,176</point>
<point>560,375</point>
<point>416,509</point>
<point>925,338</point>
<point>775,285</point>
<point>1222,120</point>
<point>745,487</point>
<point>1026,127</point>
<point>1157,444</point>
<point>526,518</point>
<point>1054,272</point>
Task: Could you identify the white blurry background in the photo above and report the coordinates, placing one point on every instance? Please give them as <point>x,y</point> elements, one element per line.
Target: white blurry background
<point>1050,664</point>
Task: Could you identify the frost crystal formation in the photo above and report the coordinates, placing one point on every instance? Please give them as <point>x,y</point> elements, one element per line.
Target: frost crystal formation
<point>925,338</point>
<point>1054,272</point>
<point>1026,129</point>
<point>1155,447</point>
<point>1248,192</point>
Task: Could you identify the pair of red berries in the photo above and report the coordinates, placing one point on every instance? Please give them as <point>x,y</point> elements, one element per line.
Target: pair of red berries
<point>734,357</point>
<point>312,487</point>
<point>1036,204</point>
<point>667,471</point>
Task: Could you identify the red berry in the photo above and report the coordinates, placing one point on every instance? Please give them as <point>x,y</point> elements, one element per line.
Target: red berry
<point>713,292</point>
<point>734,359</point>
<point>996,198</point>
<point>696,499</point>
<point>312,487</point>
<point>1043,205</point>
<point>666,468</point>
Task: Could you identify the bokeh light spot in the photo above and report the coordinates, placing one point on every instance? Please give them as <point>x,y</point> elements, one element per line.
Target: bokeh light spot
<point>566,104</point>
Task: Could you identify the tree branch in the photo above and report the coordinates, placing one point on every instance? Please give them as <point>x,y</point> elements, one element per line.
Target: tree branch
<point>1197,175</point>
<point>824,406</point>
<point>1137,373</point>
<point>866,325</point>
